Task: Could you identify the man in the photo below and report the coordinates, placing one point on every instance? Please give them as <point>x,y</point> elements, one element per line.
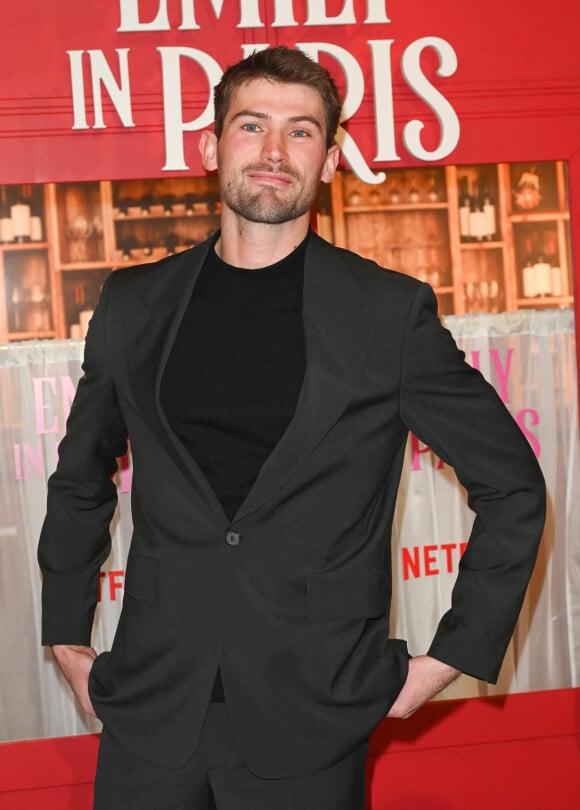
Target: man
<point>268,382</point>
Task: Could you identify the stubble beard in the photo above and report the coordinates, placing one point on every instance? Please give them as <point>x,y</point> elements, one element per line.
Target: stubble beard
<point>267,205</point>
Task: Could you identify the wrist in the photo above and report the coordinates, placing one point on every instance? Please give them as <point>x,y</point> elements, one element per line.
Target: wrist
<point>61,651</point>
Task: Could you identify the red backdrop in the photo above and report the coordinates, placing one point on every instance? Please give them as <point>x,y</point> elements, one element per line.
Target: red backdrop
<point>515,90</point>
<point>521,751</point>
<point>516,95</point>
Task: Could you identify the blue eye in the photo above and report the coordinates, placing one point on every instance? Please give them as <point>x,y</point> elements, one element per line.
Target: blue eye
<point>299,133</point>
<point>251,127</point>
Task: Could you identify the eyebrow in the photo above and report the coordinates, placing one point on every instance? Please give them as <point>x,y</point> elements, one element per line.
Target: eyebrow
<point>293,119</point>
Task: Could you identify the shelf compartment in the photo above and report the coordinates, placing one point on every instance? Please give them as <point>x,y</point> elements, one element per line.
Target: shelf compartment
<point>482,281</point>
<point>28,293</point>
<point>414,242</point>
<point>80,223</point>
<point>537,188</point>
<point>80,293</point>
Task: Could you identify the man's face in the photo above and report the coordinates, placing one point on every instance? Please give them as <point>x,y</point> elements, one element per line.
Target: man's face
<point>272,154</point>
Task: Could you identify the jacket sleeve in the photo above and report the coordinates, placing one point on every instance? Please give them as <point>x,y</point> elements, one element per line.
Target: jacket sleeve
<point>75,538</point>
<point>449,406</point>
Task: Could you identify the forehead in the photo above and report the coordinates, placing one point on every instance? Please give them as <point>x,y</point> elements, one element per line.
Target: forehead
<point>277,99</point>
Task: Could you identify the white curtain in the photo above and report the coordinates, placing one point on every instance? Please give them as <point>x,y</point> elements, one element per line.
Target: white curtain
<point>528,356</point>
<point>37,380</point>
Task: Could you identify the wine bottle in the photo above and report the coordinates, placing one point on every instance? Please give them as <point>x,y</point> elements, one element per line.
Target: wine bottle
<point>414,196</point>
<point>394,195</point>
<point>123,207</point>
<point>16,311</point>
<point>6,229</point>
<point>433,194</point>
<point>145,203</point>
<point>38,313</point>
<point>488,206</point>
<point>126,245</point>
<point>171,242</point>
<point>36,232</point>
<point>20,215</point>
<point>552,259</point>
<point>542,274</point>
<point>528,277</point>
<point>477,219</point>
<point>494,295</point>
<point>464,210</point>
<point>79,304</point>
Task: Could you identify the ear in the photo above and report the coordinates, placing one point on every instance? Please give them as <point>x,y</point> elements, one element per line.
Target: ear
<point>208,150</point>
<point>330,163</point>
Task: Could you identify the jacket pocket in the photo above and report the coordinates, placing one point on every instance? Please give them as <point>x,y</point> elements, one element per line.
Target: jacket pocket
<point>397,660</point>
<point>336,597</point>
<point>141,577</point>
<point>100,686</point>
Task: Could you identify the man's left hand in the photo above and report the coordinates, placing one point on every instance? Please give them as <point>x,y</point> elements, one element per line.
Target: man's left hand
<point>427,676</point>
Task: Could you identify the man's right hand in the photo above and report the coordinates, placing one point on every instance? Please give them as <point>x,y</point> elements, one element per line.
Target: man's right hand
<point>75,663</point>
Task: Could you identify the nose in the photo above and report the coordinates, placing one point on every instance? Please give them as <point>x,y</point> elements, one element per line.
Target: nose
<point>274,147</point>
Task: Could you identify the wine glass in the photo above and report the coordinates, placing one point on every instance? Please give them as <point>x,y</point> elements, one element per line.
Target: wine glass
<point>79,230</point>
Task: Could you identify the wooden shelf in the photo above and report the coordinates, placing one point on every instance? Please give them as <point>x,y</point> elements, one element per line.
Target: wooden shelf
<point>17,247</point>
<point>382,208</point>
<point>399,232</point>
<point>44,335</point>
<point>481,245</point>
<point>549,301</point>
<point>540,217</point>
<point>74,267</point>
<point>86,237</point>
<point>163,217</point>
<point>444,290</point>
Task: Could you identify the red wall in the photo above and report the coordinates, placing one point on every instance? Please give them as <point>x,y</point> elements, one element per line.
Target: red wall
<point>516,89</point>
<point>517,95</point>
<point>514,752</point>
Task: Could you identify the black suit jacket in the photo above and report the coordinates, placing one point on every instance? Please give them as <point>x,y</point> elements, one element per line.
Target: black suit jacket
<point>291,598</point>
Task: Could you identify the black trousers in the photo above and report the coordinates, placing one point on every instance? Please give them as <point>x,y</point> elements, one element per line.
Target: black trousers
<point>216,778</point>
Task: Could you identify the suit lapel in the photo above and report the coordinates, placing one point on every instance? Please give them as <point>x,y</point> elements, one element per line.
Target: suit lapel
<point>155,321</point>
<point>337,342</point>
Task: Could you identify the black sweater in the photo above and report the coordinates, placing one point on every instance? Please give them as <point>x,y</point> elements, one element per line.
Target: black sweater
<point>236,368</point>
<point>235,371</point>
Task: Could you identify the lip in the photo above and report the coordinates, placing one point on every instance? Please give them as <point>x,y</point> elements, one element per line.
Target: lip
<point>271,178</point>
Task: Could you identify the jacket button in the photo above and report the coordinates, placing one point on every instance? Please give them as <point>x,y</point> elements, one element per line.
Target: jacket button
<point>233,539</point>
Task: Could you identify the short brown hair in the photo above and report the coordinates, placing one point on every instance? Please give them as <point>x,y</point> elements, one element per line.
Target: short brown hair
<point>284,65</point>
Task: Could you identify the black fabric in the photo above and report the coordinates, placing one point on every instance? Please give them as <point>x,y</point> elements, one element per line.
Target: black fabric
<point>234,373</point>
<point>235,370</point>
<point>216,778</point>
<point>301,693</point>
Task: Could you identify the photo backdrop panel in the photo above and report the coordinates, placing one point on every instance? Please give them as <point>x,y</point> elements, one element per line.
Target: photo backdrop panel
<point>121,89</point>
<point>528,356</point>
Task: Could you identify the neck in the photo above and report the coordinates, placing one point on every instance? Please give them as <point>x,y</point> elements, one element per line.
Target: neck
<point>257,244</point>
